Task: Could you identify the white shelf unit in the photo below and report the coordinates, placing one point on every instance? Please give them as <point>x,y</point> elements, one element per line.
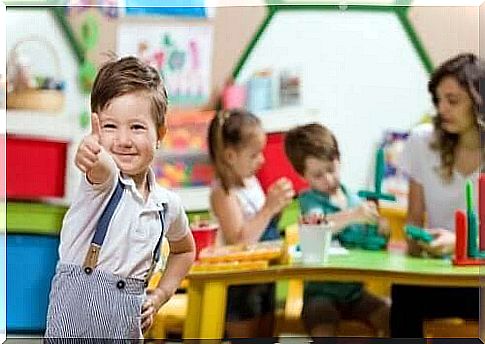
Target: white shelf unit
<point>52,126</point>
<point>194,198</point>
<point>284,118</point>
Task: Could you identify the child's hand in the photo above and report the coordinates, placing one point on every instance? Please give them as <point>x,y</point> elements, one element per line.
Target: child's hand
<point>90,147</point>
<point>280,194</point>
<point>443,243</point>
<point>366,213</point>
<point>383,226</point>
<point>155,299</point>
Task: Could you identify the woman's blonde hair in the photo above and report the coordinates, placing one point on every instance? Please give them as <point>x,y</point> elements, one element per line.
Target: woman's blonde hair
<point>229,128</point>
<point>467,70</point>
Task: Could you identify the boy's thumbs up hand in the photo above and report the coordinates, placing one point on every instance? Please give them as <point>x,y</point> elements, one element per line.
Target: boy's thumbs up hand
<point>90,147</point>
<point>95,126</point>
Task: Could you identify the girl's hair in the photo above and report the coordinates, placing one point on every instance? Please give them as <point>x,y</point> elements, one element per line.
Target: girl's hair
<point>467,69</point>
<point>229,128</point>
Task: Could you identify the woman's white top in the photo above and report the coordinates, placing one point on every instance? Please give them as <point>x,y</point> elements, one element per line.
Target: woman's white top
<point>421,163</point>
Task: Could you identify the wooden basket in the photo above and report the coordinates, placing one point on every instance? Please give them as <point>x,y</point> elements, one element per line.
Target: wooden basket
<point>34,99</point>
<point>37,99</point>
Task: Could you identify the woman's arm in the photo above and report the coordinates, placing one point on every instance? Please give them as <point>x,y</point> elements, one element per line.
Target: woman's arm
<point>416,207</point>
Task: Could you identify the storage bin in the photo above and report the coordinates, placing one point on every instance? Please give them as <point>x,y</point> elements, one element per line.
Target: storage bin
<point>31,261</point>
<point>34,218</point>
<point>35,167</point>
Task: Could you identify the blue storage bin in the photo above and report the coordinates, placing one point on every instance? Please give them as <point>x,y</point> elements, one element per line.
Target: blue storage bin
<point>31,262</point>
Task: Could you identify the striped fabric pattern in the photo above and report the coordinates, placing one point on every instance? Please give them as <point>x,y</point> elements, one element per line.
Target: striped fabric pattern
<point>99,305</point>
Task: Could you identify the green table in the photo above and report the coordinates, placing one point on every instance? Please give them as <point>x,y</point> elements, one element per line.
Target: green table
<point>207,291</point>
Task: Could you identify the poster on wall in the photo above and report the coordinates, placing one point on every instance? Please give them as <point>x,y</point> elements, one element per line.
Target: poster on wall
<point>181,54</point>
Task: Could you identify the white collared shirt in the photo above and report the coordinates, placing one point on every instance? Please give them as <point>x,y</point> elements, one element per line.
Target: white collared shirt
<point>133,232</point>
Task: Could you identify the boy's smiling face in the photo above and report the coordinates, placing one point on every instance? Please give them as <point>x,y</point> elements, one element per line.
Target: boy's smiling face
<point>322,175</point>
<point>129,133</point>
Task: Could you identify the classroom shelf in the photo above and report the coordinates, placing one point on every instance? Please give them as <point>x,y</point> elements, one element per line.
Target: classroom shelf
<point>194,198</point>
<point>284,118</point>
<point>40,124</point>
<point>34,218</point>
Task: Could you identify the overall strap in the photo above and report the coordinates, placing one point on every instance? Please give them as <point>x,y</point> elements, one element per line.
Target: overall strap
<point>102,228</point>
<point>156,251</point>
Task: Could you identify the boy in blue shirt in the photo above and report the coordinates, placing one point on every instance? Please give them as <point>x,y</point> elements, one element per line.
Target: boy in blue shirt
<point>313,151</point>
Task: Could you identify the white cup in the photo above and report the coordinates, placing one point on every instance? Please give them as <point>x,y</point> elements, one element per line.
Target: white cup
<point>315,242</point>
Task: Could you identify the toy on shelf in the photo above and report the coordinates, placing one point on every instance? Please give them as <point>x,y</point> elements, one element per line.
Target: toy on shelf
<point>373,240</point>
<point>467,251</point>
<point>30,83</point>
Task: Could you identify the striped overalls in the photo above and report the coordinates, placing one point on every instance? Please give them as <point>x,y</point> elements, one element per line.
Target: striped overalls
<point>86,302</point>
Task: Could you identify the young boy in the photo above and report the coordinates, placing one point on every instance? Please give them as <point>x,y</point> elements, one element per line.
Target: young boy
<point>313,151</point>
<point>111,235</point>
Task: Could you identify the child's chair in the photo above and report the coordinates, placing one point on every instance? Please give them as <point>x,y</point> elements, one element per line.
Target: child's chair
<point>451,328</point>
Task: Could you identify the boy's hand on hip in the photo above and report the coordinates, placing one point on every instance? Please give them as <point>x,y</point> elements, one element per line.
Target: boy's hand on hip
<point>87,154</point>
<point>155,299</point>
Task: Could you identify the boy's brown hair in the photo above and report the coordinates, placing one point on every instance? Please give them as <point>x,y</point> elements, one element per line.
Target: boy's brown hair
<point>121,76</point>
<point>311,140</point>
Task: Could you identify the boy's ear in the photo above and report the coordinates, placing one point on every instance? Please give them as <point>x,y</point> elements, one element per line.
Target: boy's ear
<point>162,130</point>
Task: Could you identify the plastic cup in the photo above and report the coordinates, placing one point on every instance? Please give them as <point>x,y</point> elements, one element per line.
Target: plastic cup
<point>315,242</point>
<point>204,236</point>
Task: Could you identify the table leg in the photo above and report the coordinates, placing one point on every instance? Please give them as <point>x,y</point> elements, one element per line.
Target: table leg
<point>213,310</point>
<point>193,318</point>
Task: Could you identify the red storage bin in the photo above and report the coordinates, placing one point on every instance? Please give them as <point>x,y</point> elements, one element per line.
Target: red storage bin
<point>277,165</point>
<point>35,167</point>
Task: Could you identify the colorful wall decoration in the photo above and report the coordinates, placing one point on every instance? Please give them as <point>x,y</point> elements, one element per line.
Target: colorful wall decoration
<point>183,160</point>
<point>182,55</point>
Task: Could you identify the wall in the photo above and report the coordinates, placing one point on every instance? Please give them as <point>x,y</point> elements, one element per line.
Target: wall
<point>446,31</point>
<point>443,30</point>
<point>233,27</point>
